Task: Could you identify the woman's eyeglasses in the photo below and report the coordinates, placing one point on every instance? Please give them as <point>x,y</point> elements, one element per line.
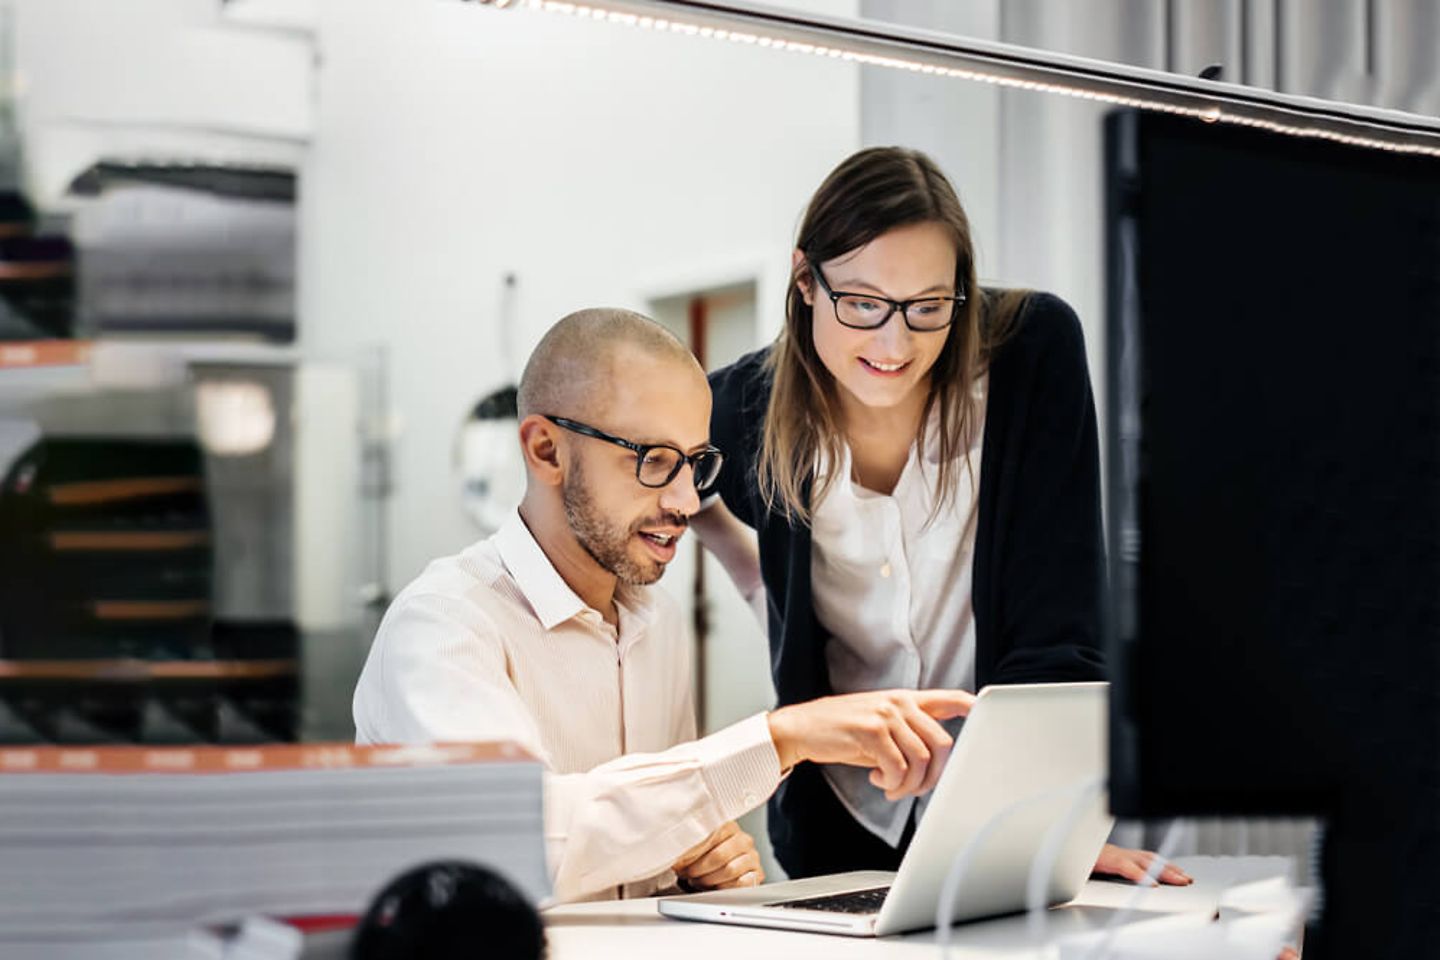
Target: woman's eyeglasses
<point>864,311</point>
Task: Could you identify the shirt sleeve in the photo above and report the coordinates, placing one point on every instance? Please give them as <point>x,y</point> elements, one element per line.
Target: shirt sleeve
<point>439,674</point>
<point>634,816</point>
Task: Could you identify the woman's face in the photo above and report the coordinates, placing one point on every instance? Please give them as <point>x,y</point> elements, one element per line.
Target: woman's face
<point>883,367</point>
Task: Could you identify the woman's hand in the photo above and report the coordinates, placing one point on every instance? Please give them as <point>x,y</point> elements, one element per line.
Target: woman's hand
<point>1132,865</point>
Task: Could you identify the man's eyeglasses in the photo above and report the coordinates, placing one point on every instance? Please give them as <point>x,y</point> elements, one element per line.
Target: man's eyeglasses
<point>864,311</point>
<point>656,464</point>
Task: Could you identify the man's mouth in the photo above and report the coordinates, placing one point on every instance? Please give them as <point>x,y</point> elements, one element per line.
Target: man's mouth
<point>661,545</point>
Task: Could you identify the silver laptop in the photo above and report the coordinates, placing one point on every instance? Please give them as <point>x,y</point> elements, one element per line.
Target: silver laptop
<point>1019,743</point>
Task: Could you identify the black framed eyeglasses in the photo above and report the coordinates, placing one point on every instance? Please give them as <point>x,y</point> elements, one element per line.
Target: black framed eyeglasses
<point>656,464</point>
<point>865,311</point>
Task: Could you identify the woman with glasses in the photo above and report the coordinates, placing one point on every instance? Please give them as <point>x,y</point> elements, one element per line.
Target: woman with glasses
<point>918,457</point>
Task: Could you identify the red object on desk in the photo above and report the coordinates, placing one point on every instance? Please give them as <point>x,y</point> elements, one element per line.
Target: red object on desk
<point>323,923</point>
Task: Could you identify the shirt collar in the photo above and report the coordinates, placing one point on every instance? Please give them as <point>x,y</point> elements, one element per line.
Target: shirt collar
<point>549,595</point>
<point>546,591</point>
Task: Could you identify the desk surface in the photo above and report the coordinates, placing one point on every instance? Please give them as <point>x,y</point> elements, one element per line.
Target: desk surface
<point>634,929</point>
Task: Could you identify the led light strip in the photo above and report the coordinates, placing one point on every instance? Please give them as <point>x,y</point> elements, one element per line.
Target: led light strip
<point>1014,68</point>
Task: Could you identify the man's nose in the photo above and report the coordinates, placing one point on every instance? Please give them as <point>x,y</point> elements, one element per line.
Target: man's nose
<point>679,495</point>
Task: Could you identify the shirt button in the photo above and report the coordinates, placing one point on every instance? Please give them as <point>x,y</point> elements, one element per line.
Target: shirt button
<point>751,800</point>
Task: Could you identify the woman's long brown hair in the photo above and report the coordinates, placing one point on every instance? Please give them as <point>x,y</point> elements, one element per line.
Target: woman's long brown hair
<point>872,192</point>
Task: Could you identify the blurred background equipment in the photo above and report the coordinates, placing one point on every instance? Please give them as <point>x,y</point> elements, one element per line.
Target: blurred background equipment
<point>145,525</point>
<point>186,249</point>
<point>37,285</point>
<point>107,551</point>
<point>108,622</point>
<point>487,449</point>
<point>492,469</point>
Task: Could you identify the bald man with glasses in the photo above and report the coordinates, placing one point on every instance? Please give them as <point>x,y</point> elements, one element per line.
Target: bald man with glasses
<point>551,633</point>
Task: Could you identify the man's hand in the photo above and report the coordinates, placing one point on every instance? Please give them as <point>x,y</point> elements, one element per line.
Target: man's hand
<point>726,858</point>
<point>1134,864</point>
<point>895,732</point>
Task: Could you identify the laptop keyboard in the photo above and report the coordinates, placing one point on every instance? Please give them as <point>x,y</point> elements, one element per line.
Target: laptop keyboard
<point>856,901</point>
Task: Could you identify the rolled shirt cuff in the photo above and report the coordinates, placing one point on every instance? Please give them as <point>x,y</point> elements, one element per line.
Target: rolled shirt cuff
<point>740,766</point>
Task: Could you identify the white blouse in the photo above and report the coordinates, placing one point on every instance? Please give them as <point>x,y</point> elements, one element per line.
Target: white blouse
<point>894,593</point>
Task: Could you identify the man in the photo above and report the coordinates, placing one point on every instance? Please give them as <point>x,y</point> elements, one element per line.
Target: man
<point>549,633</point>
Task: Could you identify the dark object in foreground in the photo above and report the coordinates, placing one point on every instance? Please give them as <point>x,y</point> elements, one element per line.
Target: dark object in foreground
<point>449,909</point>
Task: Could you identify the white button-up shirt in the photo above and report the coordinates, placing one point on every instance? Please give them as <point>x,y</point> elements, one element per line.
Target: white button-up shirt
<point>492,644</point>
<point>892,587</point>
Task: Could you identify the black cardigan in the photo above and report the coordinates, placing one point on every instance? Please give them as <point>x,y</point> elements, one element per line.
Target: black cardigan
<point>1038,557</point>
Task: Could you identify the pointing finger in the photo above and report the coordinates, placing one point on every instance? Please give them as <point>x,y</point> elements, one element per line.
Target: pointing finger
<point>945,704</point>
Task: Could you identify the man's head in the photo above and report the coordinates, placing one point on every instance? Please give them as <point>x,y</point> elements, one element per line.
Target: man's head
<point>623,376</point>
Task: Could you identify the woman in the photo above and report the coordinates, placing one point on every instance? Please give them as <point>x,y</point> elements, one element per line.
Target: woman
<point>919,459</point>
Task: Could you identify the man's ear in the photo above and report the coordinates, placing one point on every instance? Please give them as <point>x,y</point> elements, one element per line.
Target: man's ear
<point>541,448</point>
<point>800,270</point>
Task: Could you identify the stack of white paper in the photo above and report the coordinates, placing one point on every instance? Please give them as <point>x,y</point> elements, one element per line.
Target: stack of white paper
<point>1252,920</point>
<point>132,842</point>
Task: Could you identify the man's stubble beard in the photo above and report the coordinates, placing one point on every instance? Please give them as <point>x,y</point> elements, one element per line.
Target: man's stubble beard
<point>606,546</point>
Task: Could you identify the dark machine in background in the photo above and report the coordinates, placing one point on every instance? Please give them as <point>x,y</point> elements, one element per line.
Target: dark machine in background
<point>1274,504</point>
<point>108,631</point>
<point>146,512</point>
<point>186,249</point>
<point>37,274</point>
<point>107,551</point>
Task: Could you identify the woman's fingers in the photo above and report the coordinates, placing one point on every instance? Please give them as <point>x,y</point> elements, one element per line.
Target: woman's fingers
<point>1175,876</point>
<point>1133,865</point>
<point>1131,870</point>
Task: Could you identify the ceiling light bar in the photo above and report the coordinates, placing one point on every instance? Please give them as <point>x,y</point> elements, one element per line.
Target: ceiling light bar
<point>1005,65</point>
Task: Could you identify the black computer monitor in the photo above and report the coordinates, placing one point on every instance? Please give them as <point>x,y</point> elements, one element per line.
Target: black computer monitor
<point>1273,482</point>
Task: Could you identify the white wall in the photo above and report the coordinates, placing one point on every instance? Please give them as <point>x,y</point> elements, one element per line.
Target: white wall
<point>955,122</point>
<point>455,143</point>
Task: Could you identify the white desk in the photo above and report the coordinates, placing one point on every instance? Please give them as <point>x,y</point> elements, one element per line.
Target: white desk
<point>634,930</point>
